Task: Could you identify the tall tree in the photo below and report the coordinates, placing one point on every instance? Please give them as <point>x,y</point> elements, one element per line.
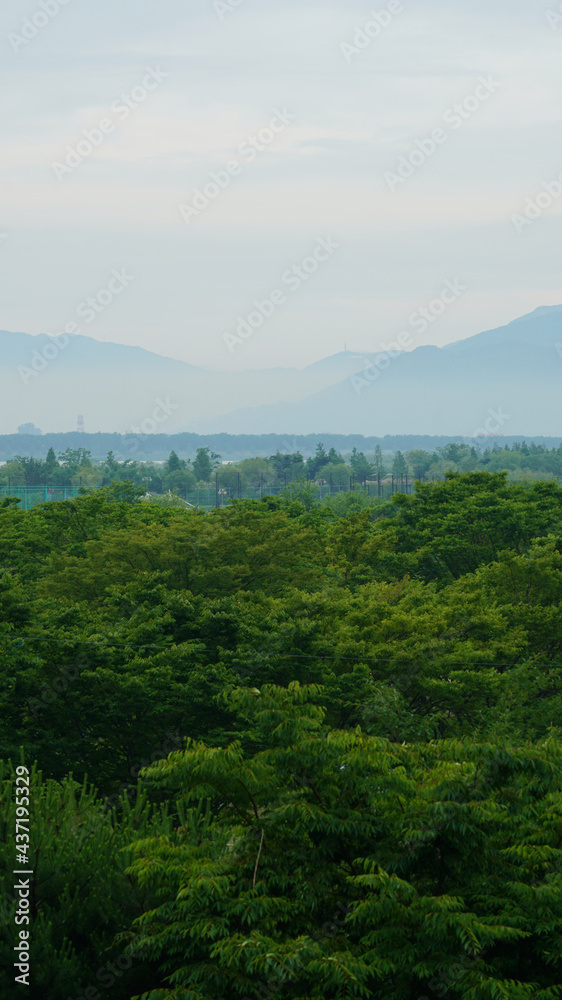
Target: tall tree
<point>420,461</point>
<point>378,462</point>
<point>287,465</point>
<point>204,463</point>
<point>360,465</point>
<point>174,463</point>
<point>51,463</point>
<point>399,466</point>
<point>316,463</point>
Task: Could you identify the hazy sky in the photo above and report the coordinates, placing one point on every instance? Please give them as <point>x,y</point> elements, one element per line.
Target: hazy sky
<point>339,110</point>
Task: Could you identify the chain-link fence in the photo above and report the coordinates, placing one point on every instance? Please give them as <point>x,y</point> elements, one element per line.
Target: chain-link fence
<point>218,494</point>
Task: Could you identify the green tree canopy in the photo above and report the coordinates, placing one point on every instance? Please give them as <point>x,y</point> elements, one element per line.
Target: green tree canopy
<point>322,863</point>
<point>399,465</point>
<point>204,463</point>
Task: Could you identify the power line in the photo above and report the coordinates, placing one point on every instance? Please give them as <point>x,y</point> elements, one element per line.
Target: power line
<point>81,642</point>
<point>280,656</point>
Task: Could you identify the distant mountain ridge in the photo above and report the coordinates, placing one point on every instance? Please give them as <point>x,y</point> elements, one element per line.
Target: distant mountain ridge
<point>48,381</point>
<point>503,381</point>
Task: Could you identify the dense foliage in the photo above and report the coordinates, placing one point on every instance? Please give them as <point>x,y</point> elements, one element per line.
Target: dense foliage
<point>348,721</point>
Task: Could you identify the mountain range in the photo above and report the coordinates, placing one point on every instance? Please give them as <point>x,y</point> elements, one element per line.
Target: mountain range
<point>505,381</point>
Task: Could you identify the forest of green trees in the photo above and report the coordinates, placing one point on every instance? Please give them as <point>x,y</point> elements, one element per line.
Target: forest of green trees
<point>286,750</point>
<point>75,467</point>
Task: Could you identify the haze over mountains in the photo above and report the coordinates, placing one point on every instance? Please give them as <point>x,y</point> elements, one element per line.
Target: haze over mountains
<point>503,381</point>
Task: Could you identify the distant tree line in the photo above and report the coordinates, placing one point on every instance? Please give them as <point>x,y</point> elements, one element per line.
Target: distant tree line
<point>234,447</point>
<point>76,467</point>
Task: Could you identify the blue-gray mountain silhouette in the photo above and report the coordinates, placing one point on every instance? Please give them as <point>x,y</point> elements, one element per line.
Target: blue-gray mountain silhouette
<point>502,381</point>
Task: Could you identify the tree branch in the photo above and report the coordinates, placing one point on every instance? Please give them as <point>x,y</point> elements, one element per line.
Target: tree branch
<point>257,862</point>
